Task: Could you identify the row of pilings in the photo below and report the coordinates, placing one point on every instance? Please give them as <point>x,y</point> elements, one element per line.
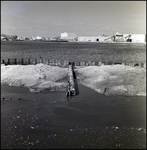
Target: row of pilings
<point>65,63</point>
<point>71,84</point>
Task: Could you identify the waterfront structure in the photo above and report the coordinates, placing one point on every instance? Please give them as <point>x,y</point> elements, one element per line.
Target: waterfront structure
<point>88,39</point>
<point>118,37</point>
<point>99,38</point>
<point>138,38</point>
<point>20,38</point>
<point>69,36</point>
<point>36,38</point>
<point>134,38</point>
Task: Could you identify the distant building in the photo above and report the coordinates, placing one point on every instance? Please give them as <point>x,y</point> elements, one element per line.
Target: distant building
<point>88,39</point>
<point>138,38</point>
<point>69,36</point>
<point>119,37</point>
<point>134,38</point>
<point>20,38</point>
<point>36,38</point>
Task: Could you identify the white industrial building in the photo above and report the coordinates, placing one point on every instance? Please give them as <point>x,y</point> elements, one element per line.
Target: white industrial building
<point>100,38</point>
<point>138,38</point>
<point>68,36</point>
<point>118,37</point>
<point>134,38</point>
<point>36,38</point>
<point>88,39</point>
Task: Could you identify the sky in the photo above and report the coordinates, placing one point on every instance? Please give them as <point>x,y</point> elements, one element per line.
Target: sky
<point>85,18</point>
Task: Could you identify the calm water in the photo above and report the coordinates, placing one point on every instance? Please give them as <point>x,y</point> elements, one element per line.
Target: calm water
<point>74,51</point>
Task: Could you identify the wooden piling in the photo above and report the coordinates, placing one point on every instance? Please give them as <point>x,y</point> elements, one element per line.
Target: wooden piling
<point>99,63</point>
<point>130,64</point>
<point>35,61</point>
<point>8,62</point>
<point>86,63</point>
<point>49,62</point>
<point>71,84</point>
<point>59,62</point>
<point>77,63</point>
<point>29,62</point>
<point>141,65</point>
<point>45,61</point>
<point>56,62</point>
<point>15,61</point>
<point>22,61</point>
<point>123,63</point>
<point>93,63</point>
<point>41,60</point>
<point>65,63</point>
<point>96,63</point>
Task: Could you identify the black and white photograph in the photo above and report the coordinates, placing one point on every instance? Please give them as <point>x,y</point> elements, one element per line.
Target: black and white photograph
<point>73,74</point>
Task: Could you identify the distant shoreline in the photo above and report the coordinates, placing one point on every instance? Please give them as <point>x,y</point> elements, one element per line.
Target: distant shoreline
<point>77,42</point>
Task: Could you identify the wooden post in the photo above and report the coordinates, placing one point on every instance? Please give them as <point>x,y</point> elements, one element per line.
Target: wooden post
<point>35,61</point>
<point>22,61</point>
<point>76,63</point>
<point>46,61</point>
<point>141,65</point>
<point>123,63</point>
<point>130,64</point>
<point>41,60</point>
<point>65,63</point>
<point>93,63</point>
<point>53,62</point>
<point>50,62</point>
<point>8,61</point>
<point>15,61</point>
<point>29,61</point>
<point>127,64</point>
<point>96,63</point>
<point>89,63</point>
<point>102,63</point>
<point>73,64</point>
<point>56,62</point>
<point>59,62</point>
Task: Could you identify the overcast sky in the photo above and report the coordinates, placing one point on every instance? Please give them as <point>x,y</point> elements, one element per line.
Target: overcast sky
<point>85,18</point>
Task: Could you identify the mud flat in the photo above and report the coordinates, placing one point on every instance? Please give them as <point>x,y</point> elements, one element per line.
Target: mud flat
<point>88,120</point>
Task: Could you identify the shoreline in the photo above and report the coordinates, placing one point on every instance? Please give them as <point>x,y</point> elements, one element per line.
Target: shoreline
<point>78,42</point>
<point>109,80</point>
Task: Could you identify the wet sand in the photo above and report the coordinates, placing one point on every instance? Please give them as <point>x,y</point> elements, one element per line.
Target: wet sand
<point>88,120</point>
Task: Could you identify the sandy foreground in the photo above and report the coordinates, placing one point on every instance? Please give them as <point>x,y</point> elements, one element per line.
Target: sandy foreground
<point>108,80</point>
<point>48,119</point>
